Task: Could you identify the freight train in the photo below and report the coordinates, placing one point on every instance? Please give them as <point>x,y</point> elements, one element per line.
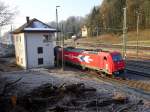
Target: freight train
<point>110,63</point>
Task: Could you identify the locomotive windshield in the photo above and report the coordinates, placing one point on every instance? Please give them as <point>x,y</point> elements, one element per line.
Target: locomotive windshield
<point>117,57</point>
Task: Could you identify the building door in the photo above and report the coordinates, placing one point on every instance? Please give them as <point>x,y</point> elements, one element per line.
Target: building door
<point>105,60</point>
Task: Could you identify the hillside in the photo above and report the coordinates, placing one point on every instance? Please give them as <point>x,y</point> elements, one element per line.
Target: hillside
<point>144,38</point>
<point>109,16</point>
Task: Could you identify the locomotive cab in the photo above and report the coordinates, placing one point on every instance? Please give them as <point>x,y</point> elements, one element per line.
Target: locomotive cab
<point>118,63</point>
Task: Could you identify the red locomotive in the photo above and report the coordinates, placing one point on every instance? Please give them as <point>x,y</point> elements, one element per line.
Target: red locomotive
<point>104,61</point>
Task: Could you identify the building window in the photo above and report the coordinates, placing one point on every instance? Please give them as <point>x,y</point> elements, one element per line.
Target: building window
<point>47,38</point>
<point>17,58</point>
<point>40,61</point>
<point>16,38</point>
<point>40,50</point>
<point>21,61</point>
<point>20,38</point>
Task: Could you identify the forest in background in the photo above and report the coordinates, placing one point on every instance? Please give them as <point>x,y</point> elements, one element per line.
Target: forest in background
<point>108,17</point>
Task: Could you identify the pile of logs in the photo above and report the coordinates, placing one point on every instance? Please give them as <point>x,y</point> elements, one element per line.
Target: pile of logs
<point>53,97</point>
<point>63,98</point>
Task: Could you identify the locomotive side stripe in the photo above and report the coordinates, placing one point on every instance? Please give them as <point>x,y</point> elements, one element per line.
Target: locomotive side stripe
<point>81,58</point>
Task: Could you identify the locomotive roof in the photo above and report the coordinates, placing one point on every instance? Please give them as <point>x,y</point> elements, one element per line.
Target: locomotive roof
<point>89,51</point>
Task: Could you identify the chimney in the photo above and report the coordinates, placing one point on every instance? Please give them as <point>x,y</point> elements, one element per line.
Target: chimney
<point>27,19</point>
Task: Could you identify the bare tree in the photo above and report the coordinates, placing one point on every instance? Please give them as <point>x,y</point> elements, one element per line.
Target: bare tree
<point>6,14</point>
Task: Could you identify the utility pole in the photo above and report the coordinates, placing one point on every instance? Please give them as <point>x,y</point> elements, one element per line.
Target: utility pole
<point>97,28</point>
<point>137,36</point>
<point>0,35</point>
<point>104,23</point>
<point>62,48</point>
<point>57,24</point>
<point>11,30</point>
<point>124,33</point>
<point>57,40</point>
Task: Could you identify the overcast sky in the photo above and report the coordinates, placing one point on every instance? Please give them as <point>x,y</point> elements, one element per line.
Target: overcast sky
<point>45,10</point>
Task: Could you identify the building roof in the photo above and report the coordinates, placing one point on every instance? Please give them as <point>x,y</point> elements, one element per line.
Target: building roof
<point>34,25</point>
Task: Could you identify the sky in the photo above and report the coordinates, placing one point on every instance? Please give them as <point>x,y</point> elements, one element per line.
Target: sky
<point>45,10</point>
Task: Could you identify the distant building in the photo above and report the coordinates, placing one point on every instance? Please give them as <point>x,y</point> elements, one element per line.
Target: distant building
<point>7,38</point>
<point>84,31</point>
<point>34,44</point>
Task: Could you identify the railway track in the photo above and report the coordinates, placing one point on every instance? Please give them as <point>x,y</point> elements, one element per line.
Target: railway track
<point>138,73</point>
<point>142,58</point>
<point>138,67</point>
<point>145,63</point>
<point>133,84</point>
<point>113,45</point>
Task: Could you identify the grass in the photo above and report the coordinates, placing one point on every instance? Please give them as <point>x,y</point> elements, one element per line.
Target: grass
<point>144,38</point>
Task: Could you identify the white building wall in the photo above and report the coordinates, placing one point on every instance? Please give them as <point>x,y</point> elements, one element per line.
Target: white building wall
<point>84,31</point>
<point>20,49</point>
<point>35,40</point>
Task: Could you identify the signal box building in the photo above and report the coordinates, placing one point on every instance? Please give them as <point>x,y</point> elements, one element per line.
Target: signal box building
<point>34,44</point>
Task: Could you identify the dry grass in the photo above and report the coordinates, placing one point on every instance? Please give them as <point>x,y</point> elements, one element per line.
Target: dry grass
<point>144,38</point>
<point>105,39</point>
